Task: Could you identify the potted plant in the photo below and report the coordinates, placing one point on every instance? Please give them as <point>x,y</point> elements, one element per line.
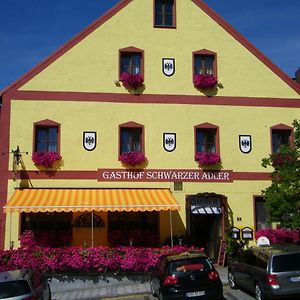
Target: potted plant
<point>45,159</point>
<point>205,81</point>
<point>133,158</point>
<point>131,81</point>
<point>207,159</point>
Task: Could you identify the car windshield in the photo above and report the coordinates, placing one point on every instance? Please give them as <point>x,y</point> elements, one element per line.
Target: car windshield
<point>286,262</point>
<point>185,265</point>
<point>14,288</point>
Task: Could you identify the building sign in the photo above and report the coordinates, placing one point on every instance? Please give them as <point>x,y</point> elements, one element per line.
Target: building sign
<point>169,141</point>
<point>168,66</point>
<point>235,233</point>
<point>205,204</point>
<point>245,143</point>
<point>247,233</point>
<point>164,175</point>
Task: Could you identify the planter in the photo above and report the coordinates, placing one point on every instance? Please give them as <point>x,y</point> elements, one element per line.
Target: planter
<point>132,81</point>
<point>133,159</point>
<point>204,81</point>
<point>45,159</point>
<point>208,159</point>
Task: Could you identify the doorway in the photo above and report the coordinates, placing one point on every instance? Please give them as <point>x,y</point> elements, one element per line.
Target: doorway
<point>205,221</point>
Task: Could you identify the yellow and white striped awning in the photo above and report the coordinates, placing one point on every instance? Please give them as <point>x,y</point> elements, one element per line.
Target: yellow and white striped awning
<point>72,200</point>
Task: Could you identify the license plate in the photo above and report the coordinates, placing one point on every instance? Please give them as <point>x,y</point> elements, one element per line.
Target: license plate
<point>195,294</point>
<point>295,279</point>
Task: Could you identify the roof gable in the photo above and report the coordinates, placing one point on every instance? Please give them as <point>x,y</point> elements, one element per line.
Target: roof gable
<point>123,5</point>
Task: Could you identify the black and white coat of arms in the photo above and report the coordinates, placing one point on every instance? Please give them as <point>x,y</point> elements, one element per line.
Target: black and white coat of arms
<point>169,141</point>
<point>89,140</point>
<point>168,66</point>
<point>245,143</point>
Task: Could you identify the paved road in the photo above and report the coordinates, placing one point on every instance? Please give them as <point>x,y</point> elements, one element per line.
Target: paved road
<point>229,294</point>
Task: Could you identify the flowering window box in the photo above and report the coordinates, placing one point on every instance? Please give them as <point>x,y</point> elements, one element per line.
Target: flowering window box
<point>132,81</point>
<point>207,159</point>
<point>204,81</point>
<point>133,158</point>
<point>45,159</point>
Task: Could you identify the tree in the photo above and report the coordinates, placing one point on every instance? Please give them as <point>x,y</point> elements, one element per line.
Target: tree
<point>283,195</point>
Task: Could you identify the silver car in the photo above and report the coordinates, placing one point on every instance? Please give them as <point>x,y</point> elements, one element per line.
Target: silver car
<point>24,285</point>
<point>269,272</point>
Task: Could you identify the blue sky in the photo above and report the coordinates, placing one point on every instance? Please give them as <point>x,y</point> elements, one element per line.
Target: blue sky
<point>31,30</point>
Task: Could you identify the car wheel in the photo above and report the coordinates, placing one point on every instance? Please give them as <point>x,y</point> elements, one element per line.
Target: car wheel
<point>259,295</point>
<point>152,288</point>
<point>231,280</point>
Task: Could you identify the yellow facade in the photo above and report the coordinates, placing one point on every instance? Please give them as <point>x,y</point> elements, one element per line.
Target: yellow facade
<point>92,66</point>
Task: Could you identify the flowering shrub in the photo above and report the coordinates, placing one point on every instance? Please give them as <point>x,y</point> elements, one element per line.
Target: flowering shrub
<point>29,239</point>
<point>45,159</point>
<point>77,259</point>
<point>279,236</point>
<point>132,158</point>
<point>207,158</point>
<point>132,80</point>
<point>204,81</point>
<point>279,159</point>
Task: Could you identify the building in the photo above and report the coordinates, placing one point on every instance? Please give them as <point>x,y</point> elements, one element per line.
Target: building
<point>165,81</point>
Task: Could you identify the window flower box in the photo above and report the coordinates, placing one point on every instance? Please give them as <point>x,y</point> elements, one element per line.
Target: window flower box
<point>132,81</point>
<point>204,81</point>
<point>133,158</point>
<point>45,159</point>
<point>207,159</point>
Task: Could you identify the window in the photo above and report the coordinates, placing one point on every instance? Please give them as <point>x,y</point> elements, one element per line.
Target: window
<point>46,136</point>
<point>204,62</point>
<point>261,214</point>
<point>131,61</point>
<point>131,138</point>
<point>206,136</point>
<point>164,13</point>
<point>281,135</point>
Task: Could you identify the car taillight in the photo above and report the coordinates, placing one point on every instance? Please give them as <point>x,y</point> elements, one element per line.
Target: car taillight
<point>272,281</point>
<point>170,280</point>
<point>213,275</point>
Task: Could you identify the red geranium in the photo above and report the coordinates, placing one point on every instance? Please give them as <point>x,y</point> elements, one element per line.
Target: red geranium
<point>132,80</point>
<point>204,81</point>
<point>45,159</point>
<point>207,158</point>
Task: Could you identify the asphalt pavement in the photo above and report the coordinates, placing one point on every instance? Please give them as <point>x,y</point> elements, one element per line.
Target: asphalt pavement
<point>92,288</point>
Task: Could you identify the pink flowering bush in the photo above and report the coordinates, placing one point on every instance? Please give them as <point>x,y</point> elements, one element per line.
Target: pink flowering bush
<point>279,236</point>
<point>27,240</point>
<point>207,158</point>
<point>133,81</point>
<point>204,81</point>
<point>45,159</point>
<point>132,158</point>
<point>80,260</point>
<point>279,159</point>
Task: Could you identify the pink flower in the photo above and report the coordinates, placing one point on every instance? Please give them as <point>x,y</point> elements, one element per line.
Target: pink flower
<point>45,159</point>
<point>132,80</point>
<point>132,158</point>
<point>207,158</point>
<point>204,81</point>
